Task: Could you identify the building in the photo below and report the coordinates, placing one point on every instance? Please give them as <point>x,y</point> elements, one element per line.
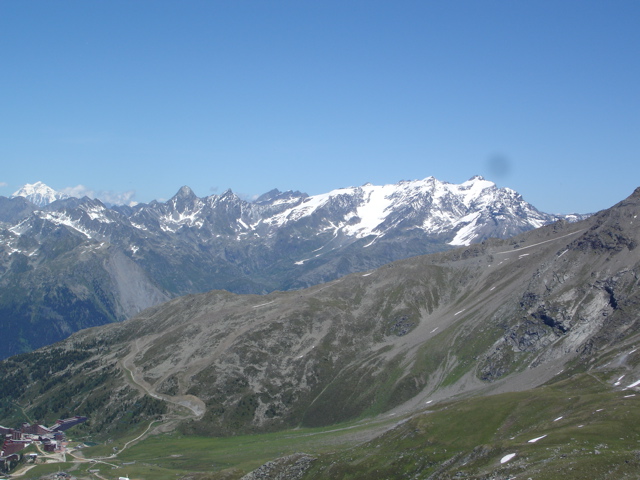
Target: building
<point>49,445</point>
<point>35,429</point>
<point>13,446</point>
<point>62,425</point>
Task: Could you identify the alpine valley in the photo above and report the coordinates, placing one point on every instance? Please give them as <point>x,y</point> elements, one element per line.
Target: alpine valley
<point>504,359</point>
<point>71,263</point>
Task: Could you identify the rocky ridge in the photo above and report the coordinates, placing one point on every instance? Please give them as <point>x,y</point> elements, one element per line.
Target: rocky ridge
<point>62,264</point>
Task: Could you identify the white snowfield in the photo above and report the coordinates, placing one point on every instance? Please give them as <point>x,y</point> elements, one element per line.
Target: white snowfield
<point>445,207</point>
<point>39,194</point>
<point>430,205</point>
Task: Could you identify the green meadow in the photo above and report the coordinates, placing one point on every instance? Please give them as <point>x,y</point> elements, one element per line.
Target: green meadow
<point>585,429</point>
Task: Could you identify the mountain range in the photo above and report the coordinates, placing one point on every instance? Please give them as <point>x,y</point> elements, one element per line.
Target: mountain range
<point>69,263</point>
<point>482,352</point>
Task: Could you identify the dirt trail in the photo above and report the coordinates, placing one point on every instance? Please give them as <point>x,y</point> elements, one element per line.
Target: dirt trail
<point>22,471</point>
<point>191,402</point>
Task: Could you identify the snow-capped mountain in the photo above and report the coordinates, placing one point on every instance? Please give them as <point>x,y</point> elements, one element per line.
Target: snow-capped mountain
<point>104,263</point>
<point>39,194</point>
<point>429,205</point>
<point>468,212</point>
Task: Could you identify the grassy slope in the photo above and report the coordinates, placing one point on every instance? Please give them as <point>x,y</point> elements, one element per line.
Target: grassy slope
<point>170,456</point>
<point>598,437</point>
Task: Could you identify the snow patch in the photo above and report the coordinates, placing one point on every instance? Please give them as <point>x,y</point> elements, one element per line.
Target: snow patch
<point>466,234</point>
<point>263,304</point>
<point>98,213</point>
<point>634,384</point>
<point>508,457</point>
<point>60,218</point>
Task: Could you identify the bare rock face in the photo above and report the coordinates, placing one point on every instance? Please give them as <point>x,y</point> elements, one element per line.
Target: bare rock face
<point>580,299</point>
<point>134,289</point>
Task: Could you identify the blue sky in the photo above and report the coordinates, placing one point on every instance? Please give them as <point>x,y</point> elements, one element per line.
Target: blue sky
<point>133,99</point>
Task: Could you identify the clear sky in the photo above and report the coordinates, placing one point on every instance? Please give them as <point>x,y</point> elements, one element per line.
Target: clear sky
<point>133,99</point>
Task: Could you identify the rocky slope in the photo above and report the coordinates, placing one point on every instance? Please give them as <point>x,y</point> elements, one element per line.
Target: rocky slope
<point>499,316</point>
<point>75,263</point>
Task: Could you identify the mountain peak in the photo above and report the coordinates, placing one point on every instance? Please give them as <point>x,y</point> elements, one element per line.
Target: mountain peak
<point>477,183</point>
<point>228,194</point>
<point>39,193</point>
<point>275,194</point>
<point>185,192</point>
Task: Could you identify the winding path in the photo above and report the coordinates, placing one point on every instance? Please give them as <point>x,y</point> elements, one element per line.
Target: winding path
<point>191,402</point>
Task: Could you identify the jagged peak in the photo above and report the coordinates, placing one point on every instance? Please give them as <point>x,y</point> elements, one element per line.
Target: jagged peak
<point>479,180</point>
<point>275,194</point>
<point>185,192</point>
<point>228,194</point>
<point>476,185</point>
<point>271,194</point>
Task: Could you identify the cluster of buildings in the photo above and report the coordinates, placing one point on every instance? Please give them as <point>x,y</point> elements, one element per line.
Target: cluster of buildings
<point>51,438</point>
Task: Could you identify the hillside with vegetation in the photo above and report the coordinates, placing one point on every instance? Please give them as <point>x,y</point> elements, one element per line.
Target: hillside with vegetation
<point>506,359</point>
